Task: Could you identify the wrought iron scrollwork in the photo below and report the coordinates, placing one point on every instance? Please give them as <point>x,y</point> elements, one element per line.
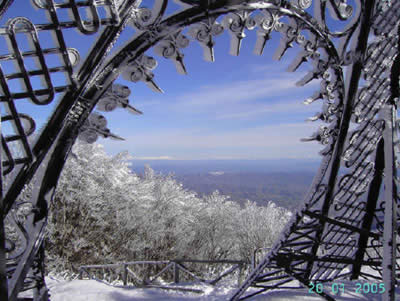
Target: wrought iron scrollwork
<point>140,70</point>
<point>169,48</point>
<point>95,126</point>
<point>88,25</point>
<point>117,96</point>
<point>342,220</point>
<point>204,32</point>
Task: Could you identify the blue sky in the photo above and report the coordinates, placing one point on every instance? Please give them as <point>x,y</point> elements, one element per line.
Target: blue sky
<point>244,107</point>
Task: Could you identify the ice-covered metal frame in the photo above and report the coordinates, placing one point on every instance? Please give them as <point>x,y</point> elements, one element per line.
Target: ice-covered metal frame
<point>348,225</point>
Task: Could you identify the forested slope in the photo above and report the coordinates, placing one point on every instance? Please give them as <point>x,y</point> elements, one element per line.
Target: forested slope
<point>105,213</point>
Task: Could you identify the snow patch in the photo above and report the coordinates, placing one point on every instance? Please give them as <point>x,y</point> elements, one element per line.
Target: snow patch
<point>89,290</point>
<point>216,173</point>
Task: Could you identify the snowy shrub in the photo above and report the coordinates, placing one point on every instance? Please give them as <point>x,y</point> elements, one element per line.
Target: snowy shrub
<point>104,213</point>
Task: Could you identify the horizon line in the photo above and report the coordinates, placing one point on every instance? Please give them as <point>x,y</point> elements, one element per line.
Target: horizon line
<point>219,159</point>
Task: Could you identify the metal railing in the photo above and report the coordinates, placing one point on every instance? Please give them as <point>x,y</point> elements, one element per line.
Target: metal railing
<point>130,272</point>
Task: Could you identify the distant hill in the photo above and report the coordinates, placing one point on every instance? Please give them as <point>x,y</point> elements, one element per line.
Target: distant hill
<point>183,167</point>
<point>284,181</point>
<point>285,189</point>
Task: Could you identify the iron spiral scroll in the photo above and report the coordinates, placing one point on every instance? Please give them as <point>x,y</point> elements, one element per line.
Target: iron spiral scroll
<point>346,222</point>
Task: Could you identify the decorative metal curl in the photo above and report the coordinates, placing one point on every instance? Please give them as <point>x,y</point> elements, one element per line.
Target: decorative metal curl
<point>144,18</point>
<point>323,136</point>
<point>236,23</point>
<point>204,32</point>
<point>169,48</point>
<point>362,142</point>
<point>302,4</point>
<point>140,70</point>
<point>116,96</point>
<point>266,21</point>
<point>95,126</point>
<point>351,186</point>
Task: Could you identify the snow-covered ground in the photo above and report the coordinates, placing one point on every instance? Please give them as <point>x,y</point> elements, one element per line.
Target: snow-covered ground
<point>93,290</point>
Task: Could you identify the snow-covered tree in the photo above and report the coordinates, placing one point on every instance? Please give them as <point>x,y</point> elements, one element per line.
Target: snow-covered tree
<point>81,222</point>
<point>103,212</point>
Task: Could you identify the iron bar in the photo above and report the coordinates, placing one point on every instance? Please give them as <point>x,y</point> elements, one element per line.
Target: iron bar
<point>115,265</point>
<point>17,281</point>
<point>209,261</point>
<point>169,266</point>
<point>133,275</point>
<point>176,268</point>
<point>175,265</point>
<point>373,195</point>
<point>354,75</point>
<point>331,259</point>
<point>390,192</point>
<point>3,271</point>
<point>390,225</point>
<point>4,6</point>
<point>125,275</point>
<point>342,224</point>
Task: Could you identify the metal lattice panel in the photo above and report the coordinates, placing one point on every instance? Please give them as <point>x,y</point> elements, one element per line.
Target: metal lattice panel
<point>345,223</point>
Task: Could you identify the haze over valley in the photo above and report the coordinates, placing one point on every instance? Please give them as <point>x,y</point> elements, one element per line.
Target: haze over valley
<point>285,182</point>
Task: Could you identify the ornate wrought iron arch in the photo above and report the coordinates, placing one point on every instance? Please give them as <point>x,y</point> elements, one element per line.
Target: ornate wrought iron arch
<point>332,220</point>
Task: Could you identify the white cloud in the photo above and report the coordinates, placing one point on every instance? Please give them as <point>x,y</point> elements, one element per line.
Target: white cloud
<point>237,92</point>
<point>149,102</point>
<point>275,96</point>
<point>257,109</point>
<point>272,141</point>
<point>238,99</point>
<point>269,68</point>
<point>154,158</point>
